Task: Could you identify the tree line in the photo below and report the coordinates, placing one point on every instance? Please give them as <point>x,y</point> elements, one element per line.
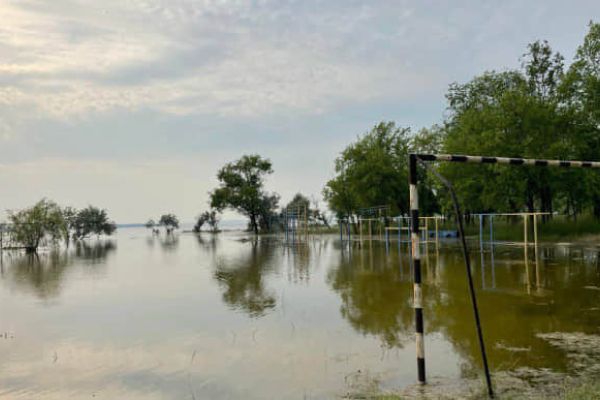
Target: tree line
<point>46,221</point>
<point>544,109</point>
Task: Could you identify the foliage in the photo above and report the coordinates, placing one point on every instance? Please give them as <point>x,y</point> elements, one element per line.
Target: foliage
<point>69,215</point>
<point>210,217</point>
<point>92,221</point>
<point>169,221</point>
<point>241,189</point>
<point>269,204</point>
<point>539,111</point>
<point>374,171</point>
<point>150,224</point>
<point>31,225</point>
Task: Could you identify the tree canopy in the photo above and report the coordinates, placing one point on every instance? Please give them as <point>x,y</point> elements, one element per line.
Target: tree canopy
<point>31,225</point>
<point>169,221</point>
<point>241,189</point>
<point>539,111</point>
<point>373,171</point>
<point>92,221</point>
<point>46,220</point>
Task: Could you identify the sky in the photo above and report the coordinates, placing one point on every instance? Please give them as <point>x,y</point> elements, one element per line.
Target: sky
<point>133,105</point>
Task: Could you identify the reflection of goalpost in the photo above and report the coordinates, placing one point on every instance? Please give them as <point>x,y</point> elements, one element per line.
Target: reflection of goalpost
<point>414,209</point>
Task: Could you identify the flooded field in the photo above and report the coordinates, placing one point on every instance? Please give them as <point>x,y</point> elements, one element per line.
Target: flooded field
<point>223,317</point>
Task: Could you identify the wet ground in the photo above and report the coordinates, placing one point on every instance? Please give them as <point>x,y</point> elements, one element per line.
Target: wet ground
<point>223,317</point>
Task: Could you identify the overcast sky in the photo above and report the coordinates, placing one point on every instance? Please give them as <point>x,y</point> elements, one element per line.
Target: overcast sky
<point>133,105</point>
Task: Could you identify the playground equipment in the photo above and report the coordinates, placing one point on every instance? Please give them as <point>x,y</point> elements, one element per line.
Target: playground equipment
<point>526,217</point>
<point>397,227</point>
<point>403,224</point>
<point>295,224</point>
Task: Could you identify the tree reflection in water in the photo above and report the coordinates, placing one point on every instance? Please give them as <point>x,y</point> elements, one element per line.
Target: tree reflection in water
<point>375,294</point>
<point>376,300</point>
<point>44,274</point>
<point>243,279</point>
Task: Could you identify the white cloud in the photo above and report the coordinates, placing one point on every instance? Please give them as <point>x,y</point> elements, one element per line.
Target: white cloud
<point>211,57</point>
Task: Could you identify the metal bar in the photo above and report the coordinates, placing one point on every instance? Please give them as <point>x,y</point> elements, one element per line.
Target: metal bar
<point>506,160</point>
<point>469,277</point>
<point>416,261</point>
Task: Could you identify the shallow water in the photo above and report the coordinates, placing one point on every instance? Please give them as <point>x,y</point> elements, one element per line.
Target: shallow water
<point>218,317</point>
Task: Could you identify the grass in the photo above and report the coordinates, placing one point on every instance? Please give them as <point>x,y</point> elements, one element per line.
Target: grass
<point>578,390</point>
<point>587,391</point>
<point>558,228</point>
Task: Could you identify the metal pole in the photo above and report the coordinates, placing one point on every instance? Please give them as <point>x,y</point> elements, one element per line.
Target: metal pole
<point>480,230</point>
<point>360,230</point>
<point>465,251</point>
<point>481,251</point>
<point>492,251</point>
<point>416,261</point>
<point>349,235</point>
<point>399,235</point>
<point>535,249</point>
<point>525,217</point>
<point>387,240</point>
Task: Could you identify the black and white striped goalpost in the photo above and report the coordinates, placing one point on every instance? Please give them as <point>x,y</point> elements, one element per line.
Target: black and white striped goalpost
<point>416,259</point>
<point>414,214</point>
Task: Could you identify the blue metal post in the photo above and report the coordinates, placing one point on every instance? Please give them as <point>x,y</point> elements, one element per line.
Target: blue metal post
<point>387,240</point>
<point>399,234</point>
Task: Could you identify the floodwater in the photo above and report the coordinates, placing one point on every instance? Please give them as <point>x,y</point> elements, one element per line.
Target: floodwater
<point>223,317</point>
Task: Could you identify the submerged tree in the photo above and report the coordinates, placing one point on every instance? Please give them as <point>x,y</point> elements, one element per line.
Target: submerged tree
<point>241,189</point>
<point>211,217</point>
<point>70,219</point>
<point>32,225</point>
<point>169,221</point>
<point>92,221</point>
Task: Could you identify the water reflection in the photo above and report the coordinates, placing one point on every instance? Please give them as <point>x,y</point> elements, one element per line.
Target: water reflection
<point>518,300</point>
<point>375,294</point>
<point>243,279</point>
<point>338,312</point>
<point>43,274</point>
<point>208,244</point>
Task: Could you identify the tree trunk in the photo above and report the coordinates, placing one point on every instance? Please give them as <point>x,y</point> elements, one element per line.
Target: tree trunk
<point>253,223</point>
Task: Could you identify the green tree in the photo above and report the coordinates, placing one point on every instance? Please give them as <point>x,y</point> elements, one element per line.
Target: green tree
<point>92,221</point>
<point>535,112</point>
<point>150,224</point>
<point>211,217</point>
<point>373,171</point>
<point>32,225</point>
<point>200,221</point>
<point>70,218</point>
<point>169,221</point>
<point>241,189</point>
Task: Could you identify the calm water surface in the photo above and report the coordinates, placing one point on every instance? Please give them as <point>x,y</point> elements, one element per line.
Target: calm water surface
<point>220,317</point>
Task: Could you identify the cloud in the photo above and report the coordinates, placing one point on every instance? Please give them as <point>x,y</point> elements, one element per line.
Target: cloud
<point>184,57</point>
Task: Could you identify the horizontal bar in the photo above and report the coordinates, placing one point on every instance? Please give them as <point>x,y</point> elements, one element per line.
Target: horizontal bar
<point>508,160</point>
<point>523,214</point>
